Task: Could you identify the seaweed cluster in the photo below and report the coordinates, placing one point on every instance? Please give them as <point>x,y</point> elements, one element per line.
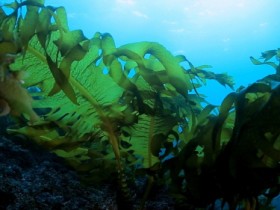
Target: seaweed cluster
<point>135,110</point>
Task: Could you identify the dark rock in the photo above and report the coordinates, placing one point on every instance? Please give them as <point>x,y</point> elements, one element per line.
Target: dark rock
<point>31,178</point>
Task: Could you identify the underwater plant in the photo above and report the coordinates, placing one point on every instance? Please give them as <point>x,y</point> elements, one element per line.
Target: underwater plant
<point>136,109</point>
<point>268,57</point>
<point>14,98</point>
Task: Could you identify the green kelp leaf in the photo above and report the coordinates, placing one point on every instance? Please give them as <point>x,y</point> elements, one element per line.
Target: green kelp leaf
<point>45,25</point>
<point>68,44</point>
<point>108,45</point>
<point>197,152</point>
<point>45,135</point>
<point>2,15</point>
<point>36,134</point>
<point>202,117</point>
<point>257,62</point>
<point>278,53</point>
<point>256,128</point>
<point>61,18</point>
<point>75,157</point>
<point>43,29</point>
<point>248,97</point>
<point>151,69</point>
<point>50,82</point>
<point>248,104</point>
<point>99,86</point>
<point>148,75</point>
<point>28,25</point>
<point>174,71</point>
<point>157,144</point>
<point>77,154</point>
<point>227,129</point>
<point>224,79</point>
<point>68,40</point>
<point>142,133</point>
<point>165,145</point>
<point>35,2</point>
<point>151,62</point>
<point>61,81</point>
<point>267,55</point>
<point>227,105</point>
<point>91,58</point>
<point>203,75</point>
<point>89,119</point>
<point>146,83</point>
<point>13,5</point>
<point>92,88</point>
<point>179,107</point>
<point>96,92</point>
<point>196,121</point>
<point>114,66</point>
<point>201,67</point>
<point>116,72</point>
<point>225,109</point>
<point>75,54</point>
<point>182,58</point>
<point>36,67</point>
<point>8,25</point>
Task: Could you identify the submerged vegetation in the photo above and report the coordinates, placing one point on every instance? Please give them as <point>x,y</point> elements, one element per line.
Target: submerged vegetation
<point>135,110</point>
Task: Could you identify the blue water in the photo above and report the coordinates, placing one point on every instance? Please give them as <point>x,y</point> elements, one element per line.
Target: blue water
<point>221,33</point>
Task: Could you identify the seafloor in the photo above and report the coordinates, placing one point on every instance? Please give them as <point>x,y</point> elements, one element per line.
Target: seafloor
<point>32,178</point>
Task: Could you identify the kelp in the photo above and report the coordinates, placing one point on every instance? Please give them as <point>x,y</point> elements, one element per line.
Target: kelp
<point>107,109</point>
<point>233,155</point>
<point>56,50</point>
<point>271,58</point>
<point>225,156</point>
